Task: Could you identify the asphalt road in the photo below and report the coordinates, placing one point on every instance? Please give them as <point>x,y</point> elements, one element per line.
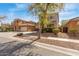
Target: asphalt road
<point>11,47</point>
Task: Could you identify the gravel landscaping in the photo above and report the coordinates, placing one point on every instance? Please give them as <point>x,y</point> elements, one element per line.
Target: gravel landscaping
<point>60,35</point>
<point>65,44</point>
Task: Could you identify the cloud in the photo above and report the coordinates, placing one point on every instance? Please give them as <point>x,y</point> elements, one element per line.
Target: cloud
<point>70,11</point>
<point>67,13</point>
<point>18,7</point>
<point>21,6</point>
<point>19,11</point>
<point>12,12</point>
<point>71,6</point>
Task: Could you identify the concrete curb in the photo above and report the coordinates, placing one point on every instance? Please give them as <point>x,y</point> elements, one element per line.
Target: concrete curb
<point>63,39</point>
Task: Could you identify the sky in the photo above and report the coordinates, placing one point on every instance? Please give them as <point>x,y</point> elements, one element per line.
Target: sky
<point>20,10</point>
<point>71,10</point>
<point>16,10</point>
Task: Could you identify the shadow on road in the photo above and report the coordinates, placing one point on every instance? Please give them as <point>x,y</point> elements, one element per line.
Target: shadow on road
<point>11,48</point>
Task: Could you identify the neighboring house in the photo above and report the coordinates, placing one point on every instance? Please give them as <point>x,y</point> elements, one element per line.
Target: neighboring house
<point>73,24</point>
<point>22,25</point>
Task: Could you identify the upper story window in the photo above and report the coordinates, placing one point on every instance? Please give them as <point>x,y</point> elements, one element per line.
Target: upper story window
<point>51,17</point>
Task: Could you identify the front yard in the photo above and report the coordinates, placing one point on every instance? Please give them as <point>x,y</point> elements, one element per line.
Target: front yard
<point>66,44</point>
<point>59,35</point>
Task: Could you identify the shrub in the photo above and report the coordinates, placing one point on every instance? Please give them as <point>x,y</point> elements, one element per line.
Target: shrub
<point>19,34</point>
<point>43,30</point>
<point>56,30</point>
<point>73,31</point>
<point>9,29</point>
<point>47,30</point>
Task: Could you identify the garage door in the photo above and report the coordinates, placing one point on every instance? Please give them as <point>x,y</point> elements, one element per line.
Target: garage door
<point>23,28</point>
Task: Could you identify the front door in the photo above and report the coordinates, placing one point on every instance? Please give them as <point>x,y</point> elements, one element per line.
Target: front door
<point>65,29</point>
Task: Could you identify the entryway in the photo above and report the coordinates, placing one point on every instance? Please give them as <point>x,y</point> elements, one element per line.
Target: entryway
<point>65,29</point>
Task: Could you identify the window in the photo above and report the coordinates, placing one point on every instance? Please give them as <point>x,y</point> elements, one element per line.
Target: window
<point>51,17</point>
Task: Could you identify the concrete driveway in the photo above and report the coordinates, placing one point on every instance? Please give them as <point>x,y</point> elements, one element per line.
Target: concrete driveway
<point>14,47</point>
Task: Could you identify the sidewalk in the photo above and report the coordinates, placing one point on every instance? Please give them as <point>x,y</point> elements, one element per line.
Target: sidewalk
<point>63,39</point>
<point>63,35</point>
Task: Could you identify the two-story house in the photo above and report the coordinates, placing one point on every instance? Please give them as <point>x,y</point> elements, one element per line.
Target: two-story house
<point>22,25</point>
<point>71,24</point>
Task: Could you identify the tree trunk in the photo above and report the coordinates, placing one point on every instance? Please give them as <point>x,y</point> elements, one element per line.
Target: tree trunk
<point>42,28</point>
<point>57,20</point>
<point>46,19</point>
<point>46,15</point>
<point>39,31</point>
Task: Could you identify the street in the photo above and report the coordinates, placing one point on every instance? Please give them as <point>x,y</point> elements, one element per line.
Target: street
<point>11,47</point>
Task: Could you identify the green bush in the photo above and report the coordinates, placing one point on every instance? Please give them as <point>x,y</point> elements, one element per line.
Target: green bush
<point>73,31</point>
<point>56,30</point>
<point>43,30</point>
<point>9,29</point>
<point>47,30</point>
